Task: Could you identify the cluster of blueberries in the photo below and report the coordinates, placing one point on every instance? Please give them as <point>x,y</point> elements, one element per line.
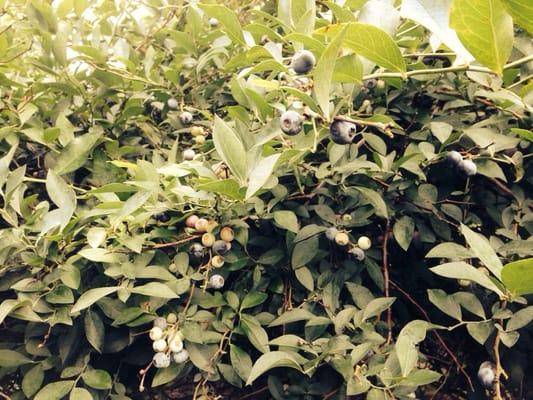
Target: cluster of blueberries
<point>167,342</point>
<point>466,166</point>
<point>342,239</point>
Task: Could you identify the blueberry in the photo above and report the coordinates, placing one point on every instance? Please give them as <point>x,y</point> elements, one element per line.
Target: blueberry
<point>213,22</point>
<point>162,217</point>
<point>342,132</point>
<point>371,83</point>
<point>196,250</point>
<point>181,356</point>
<point>216,281</point>
<point>291,122</point>
<point>186,117</point>
<point>303,61</point>
<point>161,360</point>
<point>220,247</point>
<point>331,233</point>
<point>358,254</point>
<point>454,157</point>
<point>468,167</point>
<point>487,374</point>
<point>172,103</point>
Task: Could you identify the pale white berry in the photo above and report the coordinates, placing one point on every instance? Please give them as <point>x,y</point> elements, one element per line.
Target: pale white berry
<point>160,345</point>
<point>175,344</point>
<point>161,360</point>
<point>188,154</point>
<point>156,333</point>
<point>180,356</point>
<point>364,243</point>
<point>487,373</point>
<point>161,323</point>
<point>216,281</point>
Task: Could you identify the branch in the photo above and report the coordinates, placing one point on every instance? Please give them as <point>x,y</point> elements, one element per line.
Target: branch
<point>383,126</point>
<point>459,68</point>
<point>387,280</point>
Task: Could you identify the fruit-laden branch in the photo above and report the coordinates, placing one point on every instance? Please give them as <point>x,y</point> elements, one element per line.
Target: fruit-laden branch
<point>460,68</point>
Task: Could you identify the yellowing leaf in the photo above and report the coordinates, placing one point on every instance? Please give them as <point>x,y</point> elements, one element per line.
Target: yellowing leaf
<point>485,29</point>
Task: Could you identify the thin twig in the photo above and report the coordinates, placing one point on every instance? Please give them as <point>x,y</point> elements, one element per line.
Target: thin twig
<point>437,334</point>
<point>171,244</point>
<point>497,384</point>
<point>387,280</point>
<point>252,395</point>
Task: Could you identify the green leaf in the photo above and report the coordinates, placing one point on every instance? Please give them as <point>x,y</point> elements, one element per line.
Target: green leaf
<point>480,331</point>
<point>155,289</point>
<point>80,394</point>
<point>372,43</point>
<point>77,151</point>
<point>485,29</point>
<point>305,277</point>
<point>323,72</point>
<point>286,219</point>
<point>229,20</point>
<point>97,379</point>
<point>470,302</point>
<point>348,69</point>
<point>255,333</point>
<point>377,306</point>
<point>260,174</point>
<point>241,361</point>
<point>523,133</point>
<point>33,379</point>
<point>169,374</point>
<point>462,270</point>
<point>520,319</point>
<point>253,299</point>
<point>295,315</point>
<point>517,276</point>
<point>12,359</point>
<point>410,335</point>
<point>422,377</point>
<point>268,361</point>
<point>55,390</point>
<point>403,231</point>
<point>449,250</point>
<point>94,330</point>
<point>230,149</point>
<point>8,306</point>
<point>444,302</point>
<point>63,197</point>
<point>226,187</point>
<point>482,249</point>
<point>434,16</point>
<point>91,296</point>
<point>304,251</point>
<point>522,13</point>
<point>375,199</point>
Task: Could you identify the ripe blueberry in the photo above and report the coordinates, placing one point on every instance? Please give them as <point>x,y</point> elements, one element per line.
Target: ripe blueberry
<point>196,250</point>
<point>454,157</point>
<point>181,356</point>
<point>303,61</point>
<point>291,123</point>
<point>342,132</point>
<point>487,373</point>
<point>161,360</point>
<point>186,117</point>
<point>220,247</point>
<point>216,281</point>
<point>468,167</point>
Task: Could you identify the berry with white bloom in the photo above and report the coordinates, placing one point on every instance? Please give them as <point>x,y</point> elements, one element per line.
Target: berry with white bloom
<point>160,345</point>
<point>487,374</point>
<point>181,356</point>
<point>216,281</point>
<point>186,117</point>
<point>331,233</point>
<point>156,333</point>
<point>160,323</point>
<point>175,344</point>
<point>188,154</point>
<point>358,253</point>
<point>161,360</point>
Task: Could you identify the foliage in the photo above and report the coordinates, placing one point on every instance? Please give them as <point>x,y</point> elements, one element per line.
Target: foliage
<point>98,184</point>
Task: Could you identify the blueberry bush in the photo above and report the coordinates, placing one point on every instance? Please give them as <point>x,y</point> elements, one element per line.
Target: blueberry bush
<point>266,199</point>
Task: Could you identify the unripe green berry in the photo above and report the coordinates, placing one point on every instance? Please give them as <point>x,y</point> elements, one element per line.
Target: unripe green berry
<point>197,131</point>
<point>217,261</point>
<point>208,239</point>
<point>364,243</point>
<point>226,234</point>
<point>342,239</point>
<point>172,318</point>
<point>201,225</point>
<point>191,221</point>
